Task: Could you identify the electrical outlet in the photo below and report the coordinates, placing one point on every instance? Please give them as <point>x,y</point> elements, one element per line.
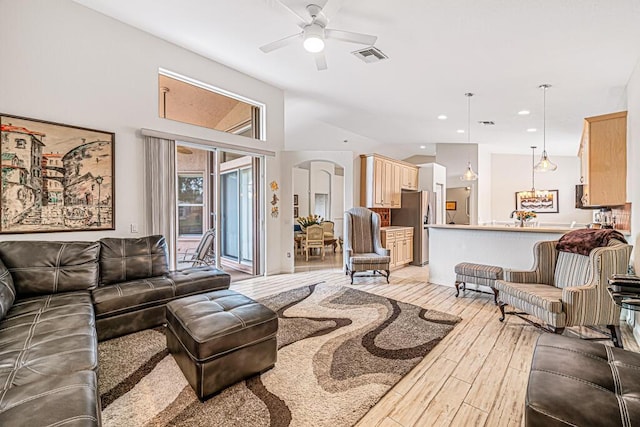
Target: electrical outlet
<point>288,254</point>
<point>134,228</point>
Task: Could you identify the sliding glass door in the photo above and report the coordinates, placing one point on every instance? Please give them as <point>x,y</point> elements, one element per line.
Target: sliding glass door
<point>237,207</point>
<point>217,189</point>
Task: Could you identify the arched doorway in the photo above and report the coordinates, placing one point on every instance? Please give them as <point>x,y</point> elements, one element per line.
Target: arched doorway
<point>319,189</point>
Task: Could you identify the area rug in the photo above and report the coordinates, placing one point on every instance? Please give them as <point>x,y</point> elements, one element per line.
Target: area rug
<point>339,351</point>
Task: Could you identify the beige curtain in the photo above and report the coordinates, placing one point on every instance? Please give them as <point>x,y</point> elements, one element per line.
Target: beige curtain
<point>160,190</point>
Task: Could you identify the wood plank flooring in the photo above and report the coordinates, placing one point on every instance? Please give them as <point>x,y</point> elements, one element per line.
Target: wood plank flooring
<point>476,376</point>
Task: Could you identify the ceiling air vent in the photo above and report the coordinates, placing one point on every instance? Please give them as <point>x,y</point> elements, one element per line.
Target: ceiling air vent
<point>370,54</point>
<point>487,122</point>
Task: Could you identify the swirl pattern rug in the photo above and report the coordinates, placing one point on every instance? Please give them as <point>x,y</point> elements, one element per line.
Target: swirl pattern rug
<point>339,351</point>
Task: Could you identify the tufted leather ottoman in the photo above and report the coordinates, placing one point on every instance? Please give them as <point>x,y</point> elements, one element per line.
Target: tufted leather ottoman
<point>580,383</point>
<point>220,338</point>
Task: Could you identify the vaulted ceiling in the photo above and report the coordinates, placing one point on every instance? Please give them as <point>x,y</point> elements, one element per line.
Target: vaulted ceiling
<point>501,50</point>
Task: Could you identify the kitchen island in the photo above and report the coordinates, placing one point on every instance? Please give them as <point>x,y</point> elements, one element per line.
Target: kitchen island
<point>502,246</point>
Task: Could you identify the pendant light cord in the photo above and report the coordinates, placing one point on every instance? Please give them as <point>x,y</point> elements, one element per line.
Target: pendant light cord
<point>468,95</point>
<point>544,119</point>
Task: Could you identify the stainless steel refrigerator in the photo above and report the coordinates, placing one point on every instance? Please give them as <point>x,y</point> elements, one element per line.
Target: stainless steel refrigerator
<point>418,210</point>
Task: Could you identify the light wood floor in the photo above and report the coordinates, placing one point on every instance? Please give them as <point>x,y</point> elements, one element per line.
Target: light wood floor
<point>476,376</point>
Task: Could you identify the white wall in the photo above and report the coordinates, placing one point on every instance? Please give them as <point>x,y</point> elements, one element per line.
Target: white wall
<point>633,152</point>
<point>337,204</point>
<point>512,173</point>
<point>455,158</point>
<point>484,184</point>
<point>301,188</point>
<point>633,177</point>
<point>75,66</point>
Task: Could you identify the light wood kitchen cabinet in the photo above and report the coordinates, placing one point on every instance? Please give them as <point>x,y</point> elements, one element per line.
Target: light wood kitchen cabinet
<point>603,160</point>
<point>409,177</point>
<point>382,180</point>
<point>399,241</point>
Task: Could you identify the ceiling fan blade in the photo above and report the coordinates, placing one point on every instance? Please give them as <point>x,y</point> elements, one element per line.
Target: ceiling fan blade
<point>270,47</point>
<point>300,20</point>
<point>321,61</point>
<point>348,36</point>
<point>331,8</point>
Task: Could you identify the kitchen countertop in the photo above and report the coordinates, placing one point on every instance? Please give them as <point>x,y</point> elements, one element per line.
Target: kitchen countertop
<point>557,230</point>
<point>395,227</point>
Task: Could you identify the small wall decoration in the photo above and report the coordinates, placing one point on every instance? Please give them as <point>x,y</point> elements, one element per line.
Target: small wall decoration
<point>451,206</point>
<point>545,201</point>
<point>274,200</point>
<point>55,177</point>
<point>295,200</point>
<point>295,212</point>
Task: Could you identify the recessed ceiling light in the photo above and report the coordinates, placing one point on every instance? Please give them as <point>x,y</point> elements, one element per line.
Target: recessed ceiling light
<point>523,112</point>
<point>442,117</point>
<point>423,146</point>
<point>532,130</point>
<point>460,131</point>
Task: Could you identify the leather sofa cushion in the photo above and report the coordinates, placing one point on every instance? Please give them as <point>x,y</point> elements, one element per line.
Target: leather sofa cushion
<point>135,295</point>
<point>7,291</point>
<point>131,296</point>
<point>49,336</point>
<point>71,400</point>
<point>199,279</point>
<point>217,322</point>
<point>576,382</point>
<point>42,268</point>
<point>123,260</point>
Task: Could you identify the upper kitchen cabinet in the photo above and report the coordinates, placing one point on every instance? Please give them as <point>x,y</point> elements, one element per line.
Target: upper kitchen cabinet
<point>603,160</point>
<point>382,180</point>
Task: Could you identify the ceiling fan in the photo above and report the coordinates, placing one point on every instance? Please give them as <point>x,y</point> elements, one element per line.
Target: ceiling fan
<point>314,33</point>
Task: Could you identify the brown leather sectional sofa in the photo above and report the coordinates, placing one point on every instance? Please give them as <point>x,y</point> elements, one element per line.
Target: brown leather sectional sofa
<point>57,299</point>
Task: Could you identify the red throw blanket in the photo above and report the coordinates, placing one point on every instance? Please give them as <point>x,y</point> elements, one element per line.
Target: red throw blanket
<point>583,241</point>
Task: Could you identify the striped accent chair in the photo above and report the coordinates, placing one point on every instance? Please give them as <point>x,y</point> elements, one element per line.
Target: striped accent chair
<point>566,289</point>
<point>363,249</point>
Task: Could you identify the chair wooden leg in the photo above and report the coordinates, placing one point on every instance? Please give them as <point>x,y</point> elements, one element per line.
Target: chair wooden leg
<point>388,274</point>
<point>495,295</point>
<point>458,288</point>
<point>501,306</point>
<point>616,336</point>
<point>352,273</point>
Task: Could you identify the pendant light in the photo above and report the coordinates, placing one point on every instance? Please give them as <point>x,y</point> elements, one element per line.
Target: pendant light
<point>469,174</point>
<point>545,165</point>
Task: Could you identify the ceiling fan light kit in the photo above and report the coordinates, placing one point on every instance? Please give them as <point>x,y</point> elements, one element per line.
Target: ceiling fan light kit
<point>315,33</point>
<point>313,38</point>
<point>545,165</point>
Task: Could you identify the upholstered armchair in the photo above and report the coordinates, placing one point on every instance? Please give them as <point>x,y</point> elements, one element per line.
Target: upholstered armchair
<point>363,249</point>
<point>566,289</point>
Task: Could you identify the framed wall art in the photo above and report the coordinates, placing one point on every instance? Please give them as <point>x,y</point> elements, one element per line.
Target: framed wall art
<point>545,201</point>
<point>295,200</point>
<point>451,205</point>
<point>55,177</point>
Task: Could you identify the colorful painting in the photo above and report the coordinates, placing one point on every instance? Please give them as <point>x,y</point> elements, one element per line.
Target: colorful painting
<point>544,201</point>
<point>55,177</point>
